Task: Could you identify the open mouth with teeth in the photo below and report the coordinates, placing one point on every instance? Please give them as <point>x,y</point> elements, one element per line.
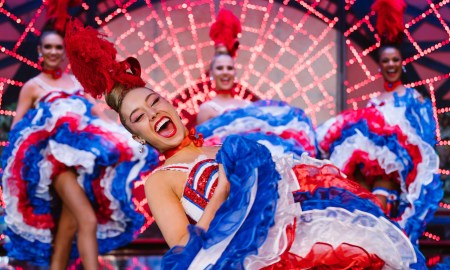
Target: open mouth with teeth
<point>391,72</point>
<point>165,127</point>
<point>225,81</point>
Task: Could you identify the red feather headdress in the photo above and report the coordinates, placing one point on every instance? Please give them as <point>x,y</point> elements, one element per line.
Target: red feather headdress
<point>390,23</point>
<point>225,31</point>
<point>57,11</point>
<point>93,61</point>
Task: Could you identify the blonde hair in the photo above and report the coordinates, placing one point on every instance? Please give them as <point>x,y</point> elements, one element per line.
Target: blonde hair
<point>115,97</point>
<point>114,100</point>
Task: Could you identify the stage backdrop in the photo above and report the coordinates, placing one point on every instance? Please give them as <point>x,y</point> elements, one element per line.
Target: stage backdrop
<point>315,54</point>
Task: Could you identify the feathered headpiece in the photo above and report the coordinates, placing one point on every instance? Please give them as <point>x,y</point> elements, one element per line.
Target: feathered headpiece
<point>225,31</point>
<point>93,61</point>
<point>390,23</point>
<point>57,11</point>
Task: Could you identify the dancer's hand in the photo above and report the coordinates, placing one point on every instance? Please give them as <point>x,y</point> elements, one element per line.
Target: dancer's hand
<point>223,186</point>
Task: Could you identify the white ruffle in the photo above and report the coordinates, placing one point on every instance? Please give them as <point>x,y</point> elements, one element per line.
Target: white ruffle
<point>358,142</point>
<point>248,124</point>
<point>375,235</point>
<point>323,129</point>
<point>425,169</point>
<point>276,241</point>
<point>117,224</point>
<point>275,110</point>
<point>388,161</point>
<point>336,226</point>
<point>14,221</point>
<point>71,156</point>
<point>14,218</point>
<point>84,161</point>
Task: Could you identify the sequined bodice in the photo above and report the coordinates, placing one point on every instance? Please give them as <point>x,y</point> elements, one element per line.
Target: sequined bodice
<point>202,176</point>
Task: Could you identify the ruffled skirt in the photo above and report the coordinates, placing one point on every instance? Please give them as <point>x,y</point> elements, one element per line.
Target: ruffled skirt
<point>50,139</point>
<point>389,142</point>
<point>283,213</point>
<point>274,121</point>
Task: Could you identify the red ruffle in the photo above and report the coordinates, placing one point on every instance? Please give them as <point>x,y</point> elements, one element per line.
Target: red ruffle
<point>311,178</point>
<point>18,187</point>
<point>324,256</point>
<point>376,124</point>
<point>285,257</point>
<point>301,137</point>
<point>371,169</point>
<point>102,211</point>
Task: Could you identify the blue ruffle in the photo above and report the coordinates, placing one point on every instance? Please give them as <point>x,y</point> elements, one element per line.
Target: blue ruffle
<point>391,142</point>
<point>21,249</point>
<point>255,110</point>
<point>427,203</point>
<point>106,154</point>
<point>442,266</point>
<point>421,262</point>
<point>240,157</point>
<point>288,145</point>
<point>336,197</point>
<point>419,115</point>
<point>323,198</point>
<point>425,207</point>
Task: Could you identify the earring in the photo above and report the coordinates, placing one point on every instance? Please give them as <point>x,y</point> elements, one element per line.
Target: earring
<point>141,148</point>
<point>211,78</point>
<point>379,70</point>
<point>404,69</point>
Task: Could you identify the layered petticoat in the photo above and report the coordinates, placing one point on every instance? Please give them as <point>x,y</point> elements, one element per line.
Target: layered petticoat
<point>283,213</point>
<point>393,140</point>
<point>274,121</point>
<point>61,133</point>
